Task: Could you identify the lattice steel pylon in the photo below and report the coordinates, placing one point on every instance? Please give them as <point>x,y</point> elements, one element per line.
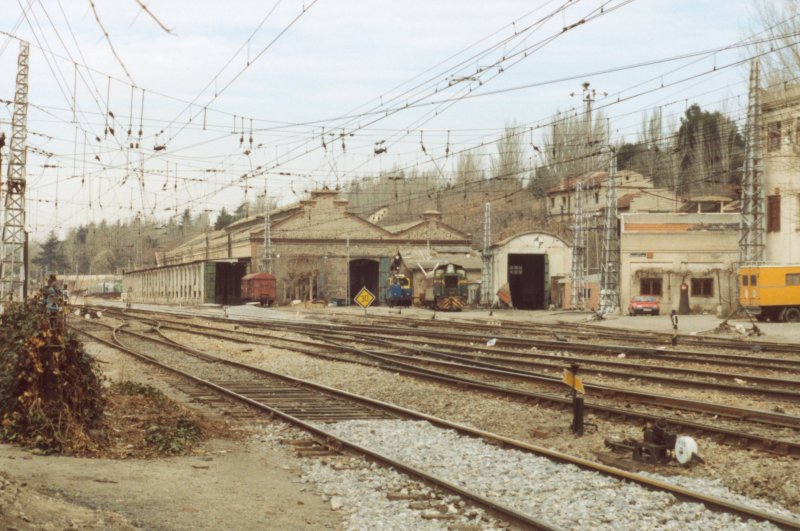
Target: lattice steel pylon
<point>578,253</point>
<point>13,275</point>
<point>609,272</point>
<point>266,253</point>
<point>486,257</point>
<point>751,226</point>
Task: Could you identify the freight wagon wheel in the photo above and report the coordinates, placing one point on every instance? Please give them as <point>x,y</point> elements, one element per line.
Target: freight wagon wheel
<point>792,315</point>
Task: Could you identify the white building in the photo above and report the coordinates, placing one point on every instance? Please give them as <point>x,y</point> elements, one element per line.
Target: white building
<point>531,265</point>
<point>781,178</point>
<point>660,252</point>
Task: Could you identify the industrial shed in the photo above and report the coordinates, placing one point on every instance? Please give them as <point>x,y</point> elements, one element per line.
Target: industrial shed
<point>319,251</point>
<point>322,251</point>
<point>530,265</point>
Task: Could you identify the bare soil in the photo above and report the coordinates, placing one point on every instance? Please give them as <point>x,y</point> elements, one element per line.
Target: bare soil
<point>233,481</point>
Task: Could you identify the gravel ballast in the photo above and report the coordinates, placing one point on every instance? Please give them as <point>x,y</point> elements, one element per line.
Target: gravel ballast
<point>559,493</point>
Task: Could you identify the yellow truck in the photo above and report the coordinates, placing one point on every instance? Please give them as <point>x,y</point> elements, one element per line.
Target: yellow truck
<point>771,292</point>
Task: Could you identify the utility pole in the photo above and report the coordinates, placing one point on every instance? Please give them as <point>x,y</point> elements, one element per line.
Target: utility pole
<point>266,259</point>
<point>347,269</point>
<point>578,253</point>
<point>486,272</point>
<point>751,226</point>
<point>589,96</point>
<point>609,274</point>
<point>13,272</point>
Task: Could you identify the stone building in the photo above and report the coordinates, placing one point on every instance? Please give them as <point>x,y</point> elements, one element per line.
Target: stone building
<point>322,251</point>
<point>319,251</point>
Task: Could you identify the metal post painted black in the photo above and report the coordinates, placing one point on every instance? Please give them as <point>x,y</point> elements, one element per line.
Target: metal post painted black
<point>577,403</point>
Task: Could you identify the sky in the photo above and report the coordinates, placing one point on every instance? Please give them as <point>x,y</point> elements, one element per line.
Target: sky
<point>331,91</point>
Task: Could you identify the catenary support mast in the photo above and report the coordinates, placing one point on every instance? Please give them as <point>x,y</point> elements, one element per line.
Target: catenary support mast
<point>266,255</point>
<point>578,253</point>
<point>486,273</point>
<point>751,233</point>
<point>13,274</point>
<point>609,274</point>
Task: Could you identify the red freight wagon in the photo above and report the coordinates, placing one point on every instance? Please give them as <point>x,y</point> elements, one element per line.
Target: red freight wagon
<point>259,287</point>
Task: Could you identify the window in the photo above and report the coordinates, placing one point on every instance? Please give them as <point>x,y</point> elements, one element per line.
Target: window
<point>596,198</point>
<point>744,280</point>
<point>796,139</point>
<point>702,287</point>
<point>753,280</point>
<point>650,286</point>
<point>773,213</point>
<point>793,279</point>
<point>797,206</point>
<point>515,270</point>
<point>773,136</point>
<point>552,202</point>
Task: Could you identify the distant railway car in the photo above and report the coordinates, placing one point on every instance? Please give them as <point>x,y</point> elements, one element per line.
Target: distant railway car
<point>108,288</point>
<point>259,287</point>
<point>398,290</point>
<point>446,288</point>
<point>771,292</point>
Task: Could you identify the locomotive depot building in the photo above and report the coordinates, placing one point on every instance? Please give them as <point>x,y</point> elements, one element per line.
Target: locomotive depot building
<point>319,251</point>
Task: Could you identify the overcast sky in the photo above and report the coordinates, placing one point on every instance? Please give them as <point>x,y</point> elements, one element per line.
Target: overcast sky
<point>391,73</point>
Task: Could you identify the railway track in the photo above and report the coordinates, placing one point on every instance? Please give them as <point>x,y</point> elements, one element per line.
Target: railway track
<point>422,330</point>
<point>758,429</point>
<point>505,359</point>
<point>278,395</point>
<point>588,332</point>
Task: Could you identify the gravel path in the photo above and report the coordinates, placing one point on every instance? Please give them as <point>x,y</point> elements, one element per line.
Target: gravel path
<point>562,494</point>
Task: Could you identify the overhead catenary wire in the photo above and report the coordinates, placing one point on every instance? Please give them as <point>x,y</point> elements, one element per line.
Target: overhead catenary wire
<point>350,148</point>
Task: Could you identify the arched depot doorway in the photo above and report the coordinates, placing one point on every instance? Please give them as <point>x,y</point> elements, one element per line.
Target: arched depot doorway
<point>364,274</point>
<point>527,281</point>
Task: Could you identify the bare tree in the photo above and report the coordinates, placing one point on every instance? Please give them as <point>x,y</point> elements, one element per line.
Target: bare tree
<point>509,162</point>
<point>469,168</point>
<point>778,20</point>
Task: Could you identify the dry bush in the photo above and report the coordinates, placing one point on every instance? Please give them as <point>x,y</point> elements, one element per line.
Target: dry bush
<point>51,395</point>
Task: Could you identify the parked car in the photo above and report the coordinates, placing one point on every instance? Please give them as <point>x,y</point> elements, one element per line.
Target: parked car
<point>642,304</point>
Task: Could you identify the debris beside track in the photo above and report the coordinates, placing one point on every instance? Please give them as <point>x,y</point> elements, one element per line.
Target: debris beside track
<point>53,398</point>
<point>50,390</point>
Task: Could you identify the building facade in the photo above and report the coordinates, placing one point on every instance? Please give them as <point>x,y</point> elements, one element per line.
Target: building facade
<point>528,268</point>
<point>661,252</point>
<point>780,110</point>
<point>319,250</point>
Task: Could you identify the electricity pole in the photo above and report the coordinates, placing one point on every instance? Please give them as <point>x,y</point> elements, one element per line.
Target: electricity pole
<point>266,259</point>
<point>578,253</point>
<point>13,271</point>
<point>486,273</point>
<point>609,274</point>
<point>751,226</point>
<point>589,96</point>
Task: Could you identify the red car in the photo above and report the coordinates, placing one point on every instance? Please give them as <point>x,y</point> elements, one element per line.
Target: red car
<point>641,304</point>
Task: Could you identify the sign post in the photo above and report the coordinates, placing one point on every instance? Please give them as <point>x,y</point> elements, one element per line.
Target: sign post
<point>364,298</point>
<point>572,379</point>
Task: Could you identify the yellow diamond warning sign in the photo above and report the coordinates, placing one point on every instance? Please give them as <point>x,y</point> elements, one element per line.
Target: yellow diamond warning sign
<point>364,298</point>
<point>573,381</point>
